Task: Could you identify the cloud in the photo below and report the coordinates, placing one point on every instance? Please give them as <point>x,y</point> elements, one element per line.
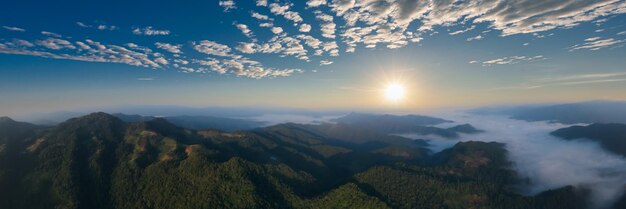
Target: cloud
<point>247,48</point>
<point>266,25</point>
<point>580,79</point>
<point>512,60</point>
<point>305,28</point>
<point>56,44</point>
<point>244,67</point>
<point>277,30</point>
<point>212,48</point>
<point>145,79</point>
<point>169,47</point>
<point>88,51</point>
<point>622,33</point>
<point>315,3</point>
<point>227,5</point>
<point>98,26</point>
<point>106,27</point>
<point>13,28</point>
<point>245,30</point>
<point>596,43</point>
<point>463,31</point>
<point>83,25</point>
<point>571,80</point>
<point>325,62</point>
<point>475,38</point>
<point>284,11</point>
<point>161,60</point>
<point>548,162</point>
<point>260,16</point>
<point>261,3</point>
<point>149,31</point>
<point>51,34</point>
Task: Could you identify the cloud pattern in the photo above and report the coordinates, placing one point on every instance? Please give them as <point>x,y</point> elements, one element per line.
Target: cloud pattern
<point>337,26</point>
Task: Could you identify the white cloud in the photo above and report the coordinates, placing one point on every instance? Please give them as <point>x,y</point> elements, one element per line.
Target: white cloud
<point>463,31</point>
<point>51,34</point>
<point>212,48</point>
<point>145,79</point>
<point>261,3</point>
<point>247,48</point>
<point>475,38</point>
<point>24,43</point>
<point>325,62</point>
<point>260,16</point>
<point>244,67</point>
<point>305,28</point>
<point>88,51</point>
<point>310,41</point>
<point>277,30</point>
<point>107,27</point>
<point>328,30</point>
<point>596,43</point>
<point>81,24</point>
<point>622,33</point>
<point>56,44</point>
<point>315,3</point>
<point>513,60</point>
<point>161,60</point>
<point>227,5</point>
<point>13,28</point>
<point>284,11</point>
<point>98,26</point>
<point>245,30</point>
<point>149,31</point>
<point>266,25</point>
<point>169,47</point>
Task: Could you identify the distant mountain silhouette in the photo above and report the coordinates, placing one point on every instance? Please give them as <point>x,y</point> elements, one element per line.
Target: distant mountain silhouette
<point>393,124</point>
<point>199,122</point>
<point>582,112</point>
<point>612,137</point>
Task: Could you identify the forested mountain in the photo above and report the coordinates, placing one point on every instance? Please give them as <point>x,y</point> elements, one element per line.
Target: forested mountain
<point>198,122</point>
<point>393,124</point>
<point>99,161</point>
<point>612,137</point>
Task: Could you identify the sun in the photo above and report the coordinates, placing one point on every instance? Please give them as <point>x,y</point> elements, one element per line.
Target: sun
<point>394,92</point>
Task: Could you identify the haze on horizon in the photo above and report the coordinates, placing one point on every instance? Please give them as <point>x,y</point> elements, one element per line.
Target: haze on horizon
<point>318,54</point>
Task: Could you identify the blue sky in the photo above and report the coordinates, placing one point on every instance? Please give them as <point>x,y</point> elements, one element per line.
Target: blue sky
<point>62,55</point>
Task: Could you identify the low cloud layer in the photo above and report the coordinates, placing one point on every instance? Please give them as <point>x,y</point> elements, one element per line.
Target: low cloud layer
<point>547,161</point>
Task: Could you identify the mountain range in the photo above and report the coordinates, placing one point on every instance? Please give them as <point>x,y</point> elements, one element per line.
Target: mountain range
<point>396,124</point>
<point>100,161</point>
<point>612,136</point>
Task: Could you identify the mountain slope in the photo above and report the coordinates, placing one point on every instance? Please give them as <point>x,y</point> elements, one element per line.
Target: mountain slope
<point>612,137</point>
<point>198,122</point>
<point>99,161</point>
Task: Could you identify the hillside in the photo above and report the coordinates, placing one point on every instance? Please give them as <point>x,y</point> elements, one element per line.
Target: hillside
<point>198,122</point>
<point>612,137</point>
<point>100,161</point>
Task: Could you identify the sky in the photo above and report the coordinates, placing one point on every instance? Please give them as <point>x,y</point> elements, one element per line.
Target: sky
<point>314,54</point>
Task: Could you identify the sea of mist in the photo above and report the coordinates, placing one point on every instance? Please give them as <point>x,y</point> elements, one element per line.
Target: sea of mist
<point>546,161</point>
